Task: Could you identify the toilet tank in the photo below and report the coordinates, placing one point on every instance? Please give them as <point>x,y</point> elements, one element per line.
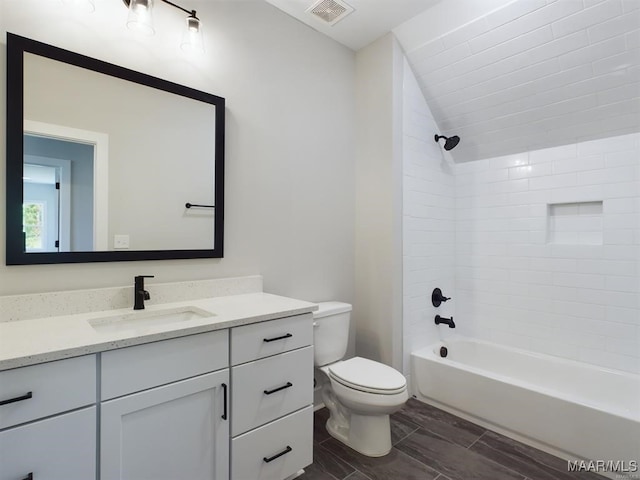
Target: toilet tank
<point>330,332</point>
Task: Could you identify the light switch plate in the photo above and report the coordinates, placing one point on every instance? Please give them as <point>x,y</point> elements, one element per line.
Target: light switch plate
<point>120,241</point>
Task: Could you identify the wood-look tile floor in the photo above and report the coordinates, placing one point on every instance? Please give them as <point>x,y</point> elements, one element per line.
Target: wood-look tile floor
<point>430,444</point>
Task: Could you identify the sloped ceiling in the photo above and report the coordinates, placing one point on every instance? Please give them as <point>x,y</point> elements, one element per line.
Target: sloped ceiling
<point>535,74</point>
<point>511,76</point>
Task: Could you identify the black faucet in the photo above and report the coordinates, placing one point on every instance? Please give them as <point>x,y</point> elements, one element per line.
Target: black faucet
<point>139,293</point>
<point>446,321</point>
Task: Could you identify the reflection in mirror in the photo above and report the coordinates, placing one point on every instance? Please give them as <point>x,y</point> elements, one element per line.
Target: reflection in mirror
<point>51,222</point>
<point>102,160</point>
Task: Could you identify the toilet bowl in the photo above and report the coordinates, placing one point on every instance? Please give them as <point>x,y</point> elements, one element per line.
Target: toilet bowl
<point>359,393</point>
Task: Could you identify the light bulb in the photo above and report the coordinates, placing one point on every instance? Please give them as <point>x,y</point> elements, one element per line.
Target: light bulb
<point>192,38</point>
<point>140,16</point>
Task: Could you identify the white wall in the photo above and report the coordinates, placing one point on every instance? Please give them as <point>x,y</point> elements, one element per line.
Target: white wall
<point>289,145</point>
<point>428,230</point>
<point>378,307</point>
<point>574,299</point>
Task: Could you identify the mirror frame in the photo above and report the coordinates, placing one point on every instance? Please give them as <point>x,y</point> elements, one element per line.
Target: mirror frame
<point>17,46</point>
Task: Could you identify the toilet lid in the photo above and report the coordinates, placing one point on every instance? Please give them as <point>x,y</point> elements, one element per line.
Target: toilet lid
<point>367,375</point>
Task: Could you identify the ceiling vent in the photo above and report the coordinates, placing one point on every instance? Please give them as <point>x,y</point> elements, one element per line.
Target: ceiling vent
<point>330,11</point>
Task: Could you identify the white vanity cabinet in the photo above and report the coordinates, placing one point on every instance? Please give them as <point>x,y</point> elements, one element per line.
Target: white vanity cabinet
<point>272,378</point>
<point>230,403</point>
<point>164,411</point>
<point>48,421</point>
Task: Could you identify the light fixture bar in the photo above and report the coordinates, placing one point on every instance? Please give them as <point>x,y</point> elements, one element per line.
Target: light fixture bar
<point>140,18</point>
<point>190,12</point>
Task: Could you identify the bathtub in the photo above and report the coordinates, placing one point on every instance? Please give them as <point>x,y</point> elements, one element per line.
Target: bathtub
<point>573,410</point>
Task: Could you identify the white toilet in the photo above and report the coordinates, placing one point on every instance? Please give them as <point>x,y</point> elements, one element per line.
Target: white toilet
<point>359,393</point>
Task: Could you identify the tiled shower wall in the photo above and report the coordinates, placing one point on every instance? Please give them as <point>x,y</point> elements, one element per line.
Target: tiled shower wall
<point>428,223</point>
<point>548,251</point>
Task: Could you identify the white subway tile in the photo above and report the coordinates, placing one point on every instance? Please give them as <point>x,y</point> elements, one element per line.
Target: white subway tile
<point>614,26</point>
<point>577,251</point>
<point>622,315</point>
<point>596,51</point>
<point>621,205</point>
<point>578,280</point>
<point>514,10</point>
<point>620,221</point>
<point>633,38</point>
<point>465,32</point>
<point>553,181</point>
<point>622,284</point>
<point>618,159</point>
<point>621,252</point>
<point>427,50</point>
<point>615,63</point>
<point>554,264</point>
<point>591,3</point>
<point>620,190</point>
<point>515,160</point>
<point>551,154</point>
<point>555,347</point>
<point>582,163</point>
<point>528,171</point>
<point>630,5</point>
<point>623,346</point>
<point>587,18</point>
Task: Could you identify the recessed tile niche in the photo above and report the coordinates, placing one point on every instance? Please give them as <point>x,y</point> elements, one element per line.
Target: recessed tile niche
<point>577,223</point>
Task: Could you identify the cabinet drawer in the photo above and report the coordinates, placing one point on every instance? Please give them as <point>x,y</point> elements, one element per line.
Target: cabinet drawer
<point>138,368</point>
<point>260,340</point>
<point>271,388</point>
<point>46,389</point>
<point>61,447</point>
<point>291,436</point>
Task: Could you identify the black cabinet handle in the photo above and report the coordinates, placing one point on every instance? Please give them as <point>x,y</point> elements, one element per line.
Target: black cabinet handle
<point>26,396</point>
<point>224,405</point>
<point>29,477</point>
<point>277,455</point>
<point>288,335</point>
<point>269,392</point>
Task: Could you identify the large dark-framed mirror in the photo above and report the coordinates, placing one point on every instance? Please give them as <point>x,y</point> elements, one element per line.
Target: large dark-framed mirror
<point>108,164</point>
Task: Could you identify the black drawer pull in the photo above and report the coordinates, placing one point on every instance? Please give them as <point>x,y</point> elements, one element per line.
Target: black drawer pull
<point>288,335</point>
<point>277,455</point>
<point>224,393</point>
<point>26,396</point>
<point>28,477</point>
<point>269,392</point>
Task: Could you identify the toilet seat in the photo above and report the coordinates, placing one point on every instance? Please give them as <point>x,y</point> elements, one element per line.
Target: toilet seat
<point>368,376</point>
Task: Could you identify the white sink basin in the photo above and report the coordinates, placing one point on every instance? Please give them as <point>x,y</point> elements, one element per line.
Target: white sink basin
<point>148,318</point>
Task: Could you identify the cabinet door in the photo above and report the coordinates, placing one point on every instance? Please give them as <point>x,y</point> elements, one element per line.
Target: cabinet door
<point>180,430</point>
<point>57,448</point>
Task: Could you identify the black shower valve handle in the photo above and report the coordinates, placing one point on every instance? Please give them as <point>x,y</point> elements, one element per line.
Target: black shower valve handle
<point>437,297</point>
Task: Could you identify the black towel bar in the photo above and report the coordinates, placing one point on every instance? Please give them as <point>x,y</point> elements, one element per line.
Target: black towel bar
<point>190,205</point>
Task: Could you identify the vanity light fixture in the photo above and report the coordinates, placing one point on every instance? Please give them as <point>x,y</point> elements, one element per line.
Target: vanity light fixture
<point>141,19</point>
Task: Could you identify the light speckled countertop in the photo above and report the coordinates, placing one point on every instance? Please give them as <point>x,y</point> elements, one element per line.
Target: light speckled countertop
<point>28,342</point>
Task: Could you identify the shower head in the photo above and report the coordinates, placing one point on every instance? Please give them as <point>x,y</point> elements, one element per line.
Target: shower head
<point>450,142</point>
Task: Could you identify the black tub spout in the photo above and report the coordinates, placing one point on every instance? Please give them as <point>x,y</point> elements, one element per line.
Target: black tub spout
<point>446,321</point>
